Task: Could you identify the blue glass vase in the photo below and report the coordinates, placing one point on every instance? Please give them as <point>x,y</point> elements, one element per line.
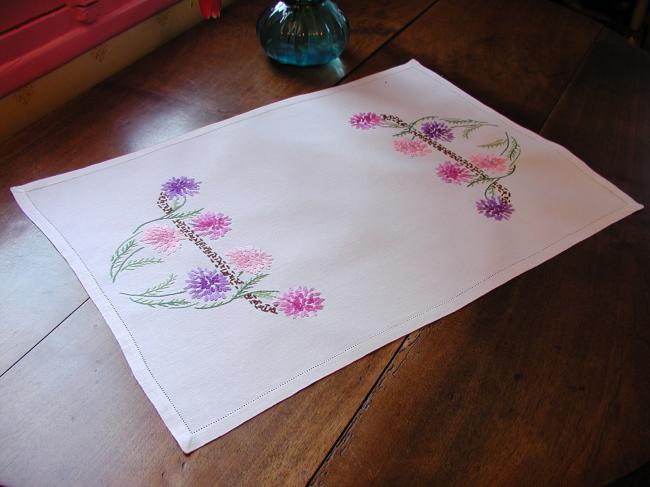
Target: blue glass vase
<point>303,32</point>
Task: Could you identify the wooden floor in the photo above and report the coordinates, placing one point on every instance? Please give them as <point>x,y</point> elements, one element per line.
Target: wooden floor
<point>544,381</point>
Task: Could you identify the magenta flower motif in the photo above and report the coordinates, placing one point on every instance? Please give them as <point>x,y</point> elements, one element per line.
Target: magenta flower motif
<point>211,225</point>
<point>489,162</point>
<point>495,208</point>
<point>180,187</point>
<point>437,131</point>
<point>300,302</point>
<point>411,147</point>
<point>164,239</point>
<point>208,285</point>
<point>249,259</point>
<point>453,172</point>
<point>365,121</point>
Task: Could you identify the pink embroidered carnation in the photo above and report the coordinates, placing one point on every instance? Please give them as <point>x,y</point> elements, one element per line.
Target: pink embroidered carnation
<point>166,240</point>
<point>453,172</point>
<point>489,162</point>
<point>249,259</point>
<point>211,225</point>
<point>411,147</point>
<point>300,302</point>
<point>365,121</point>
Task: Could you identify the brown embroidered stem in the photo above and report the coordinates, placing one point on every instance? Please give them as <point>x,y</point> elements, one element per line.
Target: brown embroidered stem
<point>505,194</point>
<point>214,257</point>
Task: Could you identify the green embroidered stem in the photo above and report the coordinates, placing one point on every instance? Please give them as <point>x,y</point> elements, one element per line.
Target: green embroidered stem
<point>215,258</point>
<point>118,258</point>
<point>124,261</point>
<point>173,215</point>
<point>481,176</point>
<point>171,303</point>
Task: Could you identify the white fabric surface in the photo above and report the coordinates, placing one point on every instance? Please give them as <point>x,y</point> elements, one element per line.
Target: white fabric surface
<point>386,238</point>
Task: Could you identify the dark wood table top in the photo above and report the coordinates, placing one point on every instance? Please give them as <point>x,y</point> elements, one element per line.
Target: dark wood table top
<point>543,381</point>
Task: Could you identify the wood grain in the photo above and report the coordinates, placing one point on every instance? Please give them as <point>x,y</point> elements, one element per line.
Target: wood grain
<point>545,380</point>
<point>214,71</point>
<point>78,417</point>
<point>516,57</point>
<point>531,384</point>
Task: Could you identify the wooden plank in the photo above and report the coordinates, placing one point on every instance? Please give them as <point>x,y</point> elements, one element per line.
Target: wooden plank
<point>212,72</point>
<point>516,57</point>
<point>221,67</point>
<point>76,416</point>
<point>544,381</point>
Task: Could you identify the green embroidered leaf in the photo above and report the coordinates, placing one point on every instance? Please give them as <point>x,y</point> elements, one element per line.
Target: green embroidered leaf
<point>121,256</point>
<point>265,294</point>
<point>469,130</point>
<point>515,150</point>
<point>137,263</point>
<point>164,303</point>
<point>182,215</point>
<point>123,249</point>
<point>247,287</point>
<point>157,290</point>
<point>494,144</point>
<point>462,121</point>
<point>478,180</point>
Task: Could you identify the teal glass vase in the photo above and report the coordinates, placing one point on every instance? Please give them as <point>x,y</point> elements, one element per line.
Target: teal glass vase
<point>303,32</point>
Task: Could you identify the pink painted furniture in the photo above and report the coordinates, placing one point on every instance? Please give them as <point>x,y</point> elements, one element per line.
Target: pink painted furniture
<point>39,35</point>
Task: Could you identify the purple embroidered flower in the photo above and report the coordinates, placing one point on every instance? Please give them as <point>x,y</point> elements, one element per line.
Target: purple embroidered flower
<point>495,208</point>
<point>453,172</point>
<point>164,239</point>
<point>249,259</point>
<point>437,131</point>
<point>208,285</point>
<point>300,302</point>
<point>365,121</point>
<point>211,225</point>
<point>411,147</point>
<point>179,187</point>
<point>489,162</point>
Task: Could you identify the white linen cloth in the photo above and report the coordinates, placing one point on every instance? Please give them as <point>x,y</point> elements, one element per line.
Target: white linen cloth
<point>243,261</point>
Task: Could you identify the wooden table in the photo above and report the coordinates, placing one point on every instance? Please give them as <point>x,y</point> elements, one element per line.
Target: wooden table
<point>544,381</point>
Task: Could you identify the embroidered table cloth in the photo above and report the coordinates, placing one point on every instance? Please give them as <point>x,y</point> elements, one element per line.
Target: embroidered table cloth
<point>243,261</point>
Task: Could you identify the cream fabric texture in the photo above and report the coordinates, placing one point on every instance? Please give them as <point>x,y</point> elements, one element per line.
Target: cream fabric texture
<point>244,261</point>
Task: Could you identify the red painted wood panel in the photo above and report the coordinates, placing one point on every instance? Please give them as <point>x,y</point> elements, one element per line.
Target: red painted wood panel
<point>13,13</point>
<point>41,45</point>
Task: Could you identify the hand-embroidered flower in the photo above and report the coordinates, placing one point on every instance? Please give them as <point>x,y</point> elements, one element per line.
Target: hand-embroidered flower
<point>437,131</point>
<point>411,147</point>
<point>211,225</point>
<point>180,187</point>
<point>489,162</point>
<point>250,259</point>
<point>453,172</point>
<point>164,239</point>
<point>207,284</point>
<point>365,121</point>
<point>300,302</point>
<point>495,208</point>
